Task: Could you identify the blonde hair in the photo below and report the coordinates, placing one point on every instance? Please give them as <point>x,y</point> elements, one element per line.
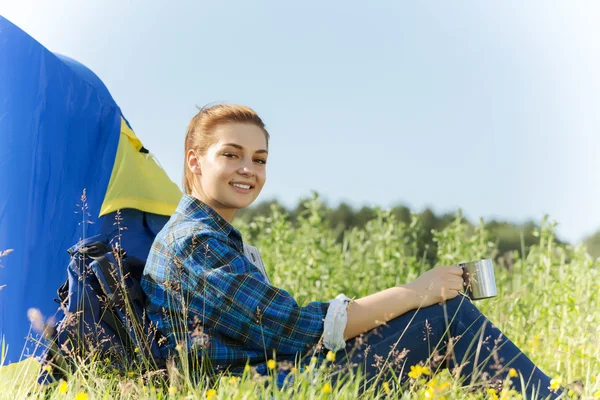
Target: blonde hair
<point>200,132</point>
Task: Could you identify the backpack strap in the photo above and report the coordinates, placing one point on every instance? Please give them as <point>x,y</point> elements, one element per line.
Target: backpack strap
<point>109,279</point>
<point>113,285</point>
<point>117,325</point>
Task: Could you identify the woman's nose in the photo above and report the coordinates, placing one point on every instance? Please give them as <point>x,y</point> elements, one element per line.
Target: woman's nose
<point>247,170</point>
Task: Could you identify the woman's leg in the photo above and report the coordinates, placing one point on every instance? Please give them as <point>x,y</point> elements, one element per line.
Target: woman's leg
<point>454,335</point>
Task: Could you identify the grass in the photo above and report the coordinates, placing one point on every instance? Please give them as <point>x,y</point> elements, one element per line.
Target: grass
<point>548,305</point>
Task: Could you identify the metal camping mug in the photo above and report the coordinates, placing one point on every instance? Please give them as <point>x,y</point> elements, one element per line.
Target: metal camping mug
<point>479,279</point>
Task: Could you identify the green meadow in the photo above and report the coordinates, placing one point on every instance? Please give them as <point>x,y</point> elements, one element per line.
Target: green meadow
<point>548,304</point>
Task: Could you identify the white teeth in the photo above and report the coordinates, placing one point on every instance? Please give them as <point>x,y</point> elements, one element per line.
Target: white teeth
<point>239,185</point>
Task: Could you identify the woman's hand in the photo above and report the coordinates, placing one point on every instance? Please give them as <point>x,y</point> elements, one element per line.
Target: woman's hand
<point>437,285</point>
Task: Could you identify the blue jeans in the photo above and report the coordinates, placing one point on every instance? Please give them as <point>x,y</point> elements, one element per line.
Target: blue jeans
<point>454,335</point>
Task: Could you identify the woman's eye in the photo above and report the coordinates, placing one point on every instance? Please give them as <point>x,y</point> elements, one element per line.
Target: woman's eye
<point>261,161</point>
<point>229,155</point>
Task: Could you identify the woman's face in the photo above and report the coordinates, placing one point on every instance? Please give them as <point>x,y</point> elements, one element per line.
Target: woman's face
<point>232,173</point>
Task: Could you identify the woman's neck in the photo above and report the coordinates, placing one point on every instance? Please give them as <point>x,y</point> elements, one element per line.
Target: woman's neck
<point>227,213</point>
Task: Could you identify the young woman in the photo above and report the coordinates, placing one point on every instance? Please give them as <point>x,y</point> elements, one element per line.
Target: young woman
<point>206,296</point>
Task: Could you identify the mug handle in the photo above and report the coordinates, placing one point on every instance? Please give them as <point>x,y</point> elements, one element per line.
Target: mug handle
<point>466,292</point>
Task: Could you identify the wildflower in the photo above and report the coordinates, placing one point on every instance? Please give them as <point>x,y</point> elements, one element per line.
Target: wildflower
<point>172,390</point>
<point>330,356</point>
<point>513,373</point>
<point>271,364</point>
<point>493,394</point>
<point>294,370</point>
<point>326,388</point>
<point>63,387</point>
<point>130,373</point>
<point>417,370</point>
<point>136,350</point>
<point>81,396</point>
<point>555,383</point>
<point>210,393</point>
<point>597,395</point>
<point>428,393</point>
<point>233,380</point>
<point>47,368</point>
<point>386,387</point>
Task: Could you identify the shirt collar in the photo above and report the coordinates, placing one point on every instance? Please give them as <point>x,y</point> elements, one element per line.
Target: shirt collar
<point>194,208</point>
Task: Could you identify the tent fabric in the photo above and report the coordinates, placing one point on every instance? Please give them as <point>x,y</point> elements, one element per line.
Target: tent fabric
<point>137,180</point>
<point>61,134</point>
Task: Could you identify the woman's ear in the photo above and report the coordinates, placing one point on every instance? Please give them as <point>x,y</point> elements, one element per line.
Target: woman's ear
<point>194,162</point>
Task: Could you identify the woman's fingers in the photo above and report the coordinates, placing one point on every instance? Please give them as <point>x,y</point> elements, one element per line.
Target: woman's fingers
<point>455,283</point>
<point>456,270</point>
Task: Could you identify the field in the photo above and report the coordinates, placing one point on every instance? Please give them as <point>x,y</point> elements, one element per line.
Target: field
<point>548,304</point>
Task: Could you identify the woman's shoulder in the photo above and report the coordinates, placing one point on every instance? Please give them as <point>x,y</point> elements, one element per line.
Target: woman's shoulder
<point>175,242</point>
<point>180,232</point>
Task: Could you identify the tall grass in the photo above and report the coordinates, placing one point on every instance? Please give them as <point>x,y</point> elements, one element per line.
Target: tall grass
<point>548,304</point>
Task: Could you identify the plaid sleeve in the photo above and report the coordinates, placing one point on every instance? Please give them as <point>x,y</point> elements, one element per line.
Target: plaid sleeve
<point>229,293</point>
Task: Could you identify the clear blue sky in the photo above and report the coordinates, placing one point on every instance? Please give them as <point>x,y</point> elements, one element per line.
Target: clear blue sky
<point>491,106</point>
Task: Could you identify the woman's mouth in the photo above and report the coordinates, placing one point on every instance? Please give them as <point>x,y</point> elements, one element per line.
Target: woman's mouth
<point>241,187</point>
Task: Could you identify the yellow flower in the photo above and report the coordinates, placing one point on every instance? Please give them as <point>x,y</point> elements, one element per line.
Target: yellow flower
<point>81,396</point>
<point>493,394</point>
<point>417,370</point>
<point>513,373</point>
<point>294,370</point>
<point>330,356</point>
<point>47,368</point>
<point>433,383</point>
<point>555,383</point>
<point>233,380</point>
<point>271,364</point>
<point>63,387</point>
<point>210,393</point>
<point>136,350</point>
<point>326,388</point>
<point>172,390</point>
<point>428,393</point>
<point>597,395</point>
<point>130,373</point>
<point>386,387</point>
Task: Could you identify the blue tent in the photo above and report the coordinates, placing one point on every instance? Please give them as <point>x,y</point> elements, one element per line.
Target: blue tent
<point>63,135</point>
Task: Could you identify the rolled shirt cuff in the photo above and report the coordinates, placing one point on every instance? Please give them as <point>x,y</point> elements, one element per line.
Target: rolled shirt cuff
<point>335,323</point>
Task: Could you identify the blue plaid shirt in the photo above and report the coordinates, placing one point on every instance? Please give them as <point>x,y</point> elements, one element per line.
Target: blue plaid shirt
<point>205,293</point>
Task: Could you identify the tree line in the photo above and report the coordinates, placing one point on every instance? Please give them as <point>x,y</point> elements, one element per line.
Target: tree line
<point>507,236</point>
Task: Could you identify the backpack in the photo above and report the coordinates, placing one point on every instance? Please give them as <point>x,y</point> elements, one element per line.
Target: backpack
<point>104,314</point>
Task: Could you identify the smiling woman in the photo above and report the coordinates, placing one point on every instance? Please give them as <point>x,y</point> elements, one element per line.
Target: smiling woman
<point>208,293</point>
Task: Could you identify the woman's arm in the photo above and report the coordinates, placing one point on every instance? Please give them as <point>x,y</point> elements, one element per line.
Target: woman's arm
<point>434,286</point>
